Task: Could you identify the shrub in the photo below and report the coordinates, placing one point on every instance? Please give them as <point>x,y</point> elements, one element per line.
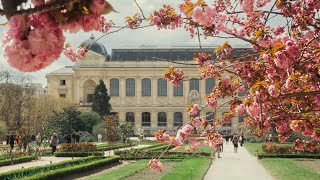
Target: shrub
<point>308,156</point>
<point>273,148</point>
<point>20,173</point>
<point>77,154</point>
<point>16,160</point>
<point>87,137</point>
<point>74,169</point>
<point>138,154</point>
<point>78,147</point>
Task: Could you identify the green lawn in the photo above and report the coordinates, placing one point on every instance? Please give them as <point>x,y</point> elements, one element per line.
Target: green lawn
<point>290,169</point>
<point>253,147</point>
<point>194,168</point>
<point>286,169</point>
<point>124,171</point>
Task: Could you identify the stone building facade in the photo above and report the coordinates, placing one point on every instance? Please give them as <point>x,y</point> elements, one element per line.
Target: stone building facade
<point>134,79</point>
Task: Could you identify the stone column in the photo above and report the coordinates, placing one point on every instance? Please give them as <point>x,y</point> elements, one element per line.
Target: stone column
<point>122,89</point>
<point>154,89</point>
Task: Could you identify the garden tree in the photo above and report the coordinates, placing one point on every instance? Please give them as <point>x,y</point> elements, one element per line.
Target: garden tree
<point>90,119</point>
<point>125,131</point>
<point>112,124</point>
<point>281,70</point>
<point>3,129</point>
<point>99,129</point>
<point>65,122</point>
<point>101,100</point>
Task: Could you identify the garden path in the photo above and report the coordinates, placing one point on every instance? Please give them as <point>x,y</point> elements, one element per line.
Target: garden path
<point>236,166</point>
<point>41,162</point>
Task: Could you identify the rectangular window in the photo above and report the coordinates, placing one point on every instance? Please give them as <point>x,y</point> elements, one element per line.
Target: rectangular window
<point>210,83</point>
<point>162,87</point>
<point>146,87</point>
<point>89,98</point>
<point>114,87</point>
<point>244,92</point>
<point>130,87</point>
<point>178,90</point>
<point>63,95</point>
<point>62,82</point>
<point>194,84</point>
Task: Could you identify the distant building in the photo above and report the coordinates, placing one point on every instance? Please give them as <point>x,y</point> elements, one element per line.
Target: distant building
<point>134,79</point>
<point>38,89</point>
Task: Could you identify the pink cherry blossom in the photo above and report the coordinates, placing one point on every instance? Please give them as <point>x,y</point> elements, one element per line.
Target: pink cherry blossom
<point>187,129</point>
<point>90,22</point>
<point>155,164</point>
<point>211,100</point>
<point>72,26</point>
<point>192,139</point>
<point>241,109</point>
<point>193,109</point>
<point>273,91</point>
<point>97,6</point>
<point>253,110</point>
<point>198,121</point>
<point>177,141</point>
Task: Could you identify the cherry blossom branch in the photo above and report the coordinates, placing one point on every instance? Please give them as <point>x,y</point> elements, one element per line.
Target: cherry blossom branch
<point>274,4</point>
<point>140,9</point>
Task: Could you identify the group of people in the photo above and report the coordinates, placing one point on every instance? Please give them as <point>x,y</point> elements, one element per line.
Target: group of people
<point>235,140</point>
<point>22,140</point>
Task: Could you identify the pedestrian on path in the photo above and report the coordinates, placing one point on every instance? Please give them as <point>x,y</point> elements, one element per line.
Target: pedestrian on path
<point>38,140</point>
<point>54,143</point>
<point>235,142</point>
<point>241,139</point>
<point>99,138</point>
<point>220,147</point>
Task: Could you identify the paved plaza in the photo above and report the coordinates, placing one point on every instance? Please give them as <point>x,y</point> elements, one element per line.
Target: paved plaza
<point>236,166</point>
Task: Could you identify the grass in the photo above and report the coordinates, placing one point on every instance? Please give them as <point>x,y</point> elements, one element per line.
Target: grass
<point>124,171</point>
<point>289,169</point>
<point>284,169</point>
<point>193,168</point>
<point>253,147</point>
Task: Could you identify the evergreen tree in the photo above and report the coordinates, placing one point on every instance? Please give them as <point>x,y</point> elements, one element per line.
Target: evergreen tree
<point>101,100</point>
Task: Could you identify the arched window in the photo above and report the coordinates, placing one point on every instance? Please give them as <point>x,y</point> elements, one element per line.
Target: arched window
<point>146,119</point>
<point>210,83</point>
<point>194,84</point>
<point>178,120</point>
<point>162,119</point>
<point>114,87</point>
<point>162,87</point>
<point>130,87</point>
<point>178,90</point>
<point>146,87</point>
<point>130,117</point>
<point>209,116</point>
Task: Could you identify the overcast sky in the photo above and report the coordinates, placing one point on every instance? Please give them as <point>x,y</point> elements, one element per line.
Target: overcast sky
<point>123,39</point>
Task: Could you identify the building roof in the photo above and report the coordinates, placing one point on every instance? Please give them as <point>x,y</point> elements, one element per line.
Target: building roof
<point>94,46</point>
<point>63,71</point>
<point>176,54</point>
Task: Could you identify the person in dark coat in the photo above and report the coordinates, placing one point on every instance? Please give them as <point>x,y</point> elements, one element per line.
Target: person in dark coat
<point>54,143</point>
<point>11,141</point>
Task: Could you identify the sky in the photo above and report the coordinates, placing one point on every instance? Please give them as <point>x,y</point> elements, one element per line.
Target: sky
<point>150,36</point>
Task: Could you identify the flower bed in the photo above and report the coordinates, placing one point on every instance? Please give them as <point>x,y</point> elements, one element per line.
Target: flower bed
<point>78,147</point>
<point>285,149</point>
<point>113,146</point>
<point>16,160</point>
<point>22,173</point>
<point>78,154</point>
<point>308,156</point>
<point>138,154</point>
<point>61,172</point>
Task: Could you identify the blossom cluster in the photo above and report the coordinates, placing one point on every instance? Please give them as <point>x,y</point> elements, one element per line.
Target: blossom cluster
<point>175,76</point>
<point>32,42</point>
<point>165,18</point>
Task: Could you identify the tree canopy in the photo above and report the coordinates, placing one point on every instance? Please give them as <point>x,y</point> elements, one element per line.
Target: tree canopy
<point>101,100</point>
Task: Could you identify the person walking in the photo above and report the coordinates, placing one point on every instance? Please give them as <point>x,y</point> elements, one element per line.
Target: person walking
<point>54,143</point>
<point>220,147</point>
<point>241,139</point>
<point>11,141</point>
<point>33,140</point>
<point>38,140</point>
<point>235,142</point>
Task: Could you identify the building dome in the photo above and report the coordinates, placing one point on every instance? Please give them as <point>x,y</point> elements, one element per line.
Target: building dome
<point>96,47</point>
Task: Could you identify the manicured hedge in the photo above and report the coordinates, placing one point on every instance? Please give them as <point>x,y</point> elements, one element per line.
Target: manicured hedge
<point>16,160</point>
<point>21,173</point>
<point>137,154</point>
<point>112,147</point>
<point>58,173</point>
<point>77,154</point>
<point>309,156</point>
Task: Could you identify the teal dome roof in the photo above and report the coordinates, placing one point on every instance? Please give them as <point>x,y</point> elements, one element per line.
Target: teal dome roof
<point>96,47</point>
